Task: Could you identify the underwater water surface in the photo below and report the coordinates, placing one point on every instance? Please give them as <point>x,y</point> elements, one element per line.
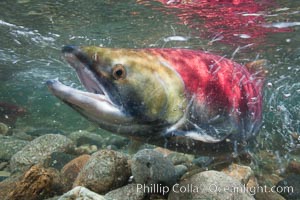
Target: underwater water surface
<point>33,32</point>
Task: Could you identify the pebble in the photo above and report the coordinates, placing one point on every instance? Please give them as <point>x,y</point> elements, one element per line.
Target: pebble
<point>71,170</point>
<point>104,171</point>
<point>180,158</point>
<point>151,167</point>
<point>252,183</point>
<point>180,170</point>
<point>111,147</point>
<point>36,183</point>
<point>163,151</point>
<point>4,175</point>
<point>39,149</point>
<point>203,161</point>
<point>2,178</point>
<point>293,167</point>
<point>58,160</point>
<point>3,129</point>
<point>84,137</point>
<point>269,179</point>
<point>116,141</point>
<point>9,146</point>
<point>204,185</point>
<point>80,192</point>
<point>21,135</point>
<point>176,157</point>
<point>157,197</point>
<point>268,196</point>
<point>292,181</point>
<point>268,161</point>
<point>3,165</point>
<point>7,185</point>
<point>129,191</point>
<point>239,172</point>
<point>53,198</point>
<point>33,132</point>
<point>86,149</point>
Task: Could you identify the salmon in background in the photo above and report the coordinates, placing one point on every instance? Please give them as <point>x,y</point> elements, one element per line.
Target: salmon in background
<point>234,22</point>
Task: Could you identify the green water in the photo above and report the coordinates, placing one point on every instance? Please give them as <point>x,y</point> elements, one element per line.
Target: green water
<point>32,33</point>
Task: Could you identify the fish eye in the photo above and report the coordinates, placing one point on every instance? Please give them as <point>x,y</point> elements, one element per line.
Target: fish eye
<point>119,72</point>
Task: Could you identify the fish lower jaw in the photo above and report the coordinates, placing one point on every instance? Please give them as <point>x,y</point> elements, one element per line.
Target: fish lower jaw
<point>89,104</point>
<point>64,92</point>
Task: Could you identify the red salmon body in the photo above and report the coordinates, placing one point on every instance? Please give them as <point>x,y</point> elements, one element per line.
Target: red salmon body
<point>219,83</point>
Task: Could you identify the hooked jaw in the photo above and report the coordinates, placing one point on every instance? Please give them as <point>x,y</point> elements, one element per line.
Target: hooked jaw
<point>94,103</point>
<point>82,64</point>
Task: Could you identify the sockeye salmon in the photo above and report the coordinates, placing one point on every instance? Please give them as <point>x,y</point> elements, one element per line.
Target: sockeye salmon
<point>185,100</point>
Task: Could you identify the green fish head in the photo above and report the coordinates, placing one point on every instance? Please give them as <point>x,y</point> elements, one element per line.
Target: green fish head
<point>128,91</point>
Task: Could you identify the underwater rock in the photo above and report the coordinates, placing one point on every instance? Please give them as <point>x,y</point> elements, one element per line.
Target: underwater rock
<point>239,172</point>
<point>292,181</point>
<point>268,196</point>
<point>3,165</point>
<point>157,197</point>
<point>113,147</point>
<point>129,191</point>
<point>57,160</point>
<point>71,170</point>
<point>85,137</point>
<point>3,129</point>
<point>203,161</point>
<point>295,143</point>
<point>36,183</point>
<point>40,149</point>
<point>81,193</point>
<point>180,158</point>
<point>209,185</point>
<point>104,171</point>
<point>175,157</point>
<point>293,167</point>
<point>252,183</point>
<point>7,185</point>
<point>268,179</point>
<point>37,132</point>
<point>151,167</point>
<point>115,140</point>
<point>53,198</point>
<point>269,162</point>
<point>163,151</point>
<point>2,178</point>
<point>4,175</point>
<point>9,146</point>
<point>86,149</point>
<point>180,170</point>
<point>22,135</point>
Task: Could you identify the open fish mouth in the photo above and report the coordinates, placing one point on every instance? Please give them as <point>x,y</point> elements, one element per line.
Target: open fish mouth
<point>82,64</point>
<point>94,103</point>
